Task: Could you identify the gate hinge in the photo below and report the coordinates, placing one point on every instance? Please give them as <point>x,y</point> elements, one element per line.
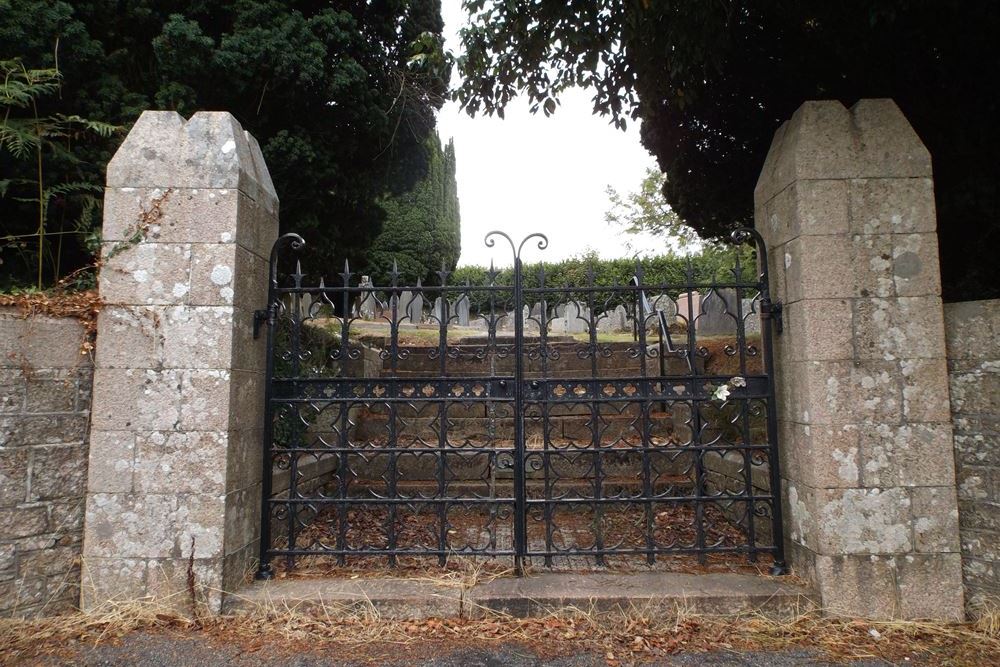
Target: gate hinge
<point>260,317</point>
<point>773,311</point>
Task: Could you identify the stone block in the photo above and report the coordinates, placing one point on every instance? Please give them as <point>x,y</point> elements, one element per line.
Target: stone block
<point>887,145</point>
<point>200,524</point>
<point>907,455</point>
<point>930,587</point>
<point>902,328</point>
<point>39,342</point>
<point>173,462</point>
<point>130,336</point>
<point>206,402</point>
<point>23,521</point>
<point>819,329</point>
<point>892,206</point>
<point>112,461</point>
<point>935,519</point>
<point>112,580</point>
<point>13,476</point>
<point>66,519</point>
<point>124,526</point>
<point>147,274</point>
<point>822,455</point>
<point>58,472</point>
<point>972,329</point>
<point>915,267</point>
<point>862,521</point>
<point>246,390</point>
<point>244,459</point>
<point>137,399</point>
<point>925,390</point>
<point>197,337</point>
<point>858,586</point>
<point>242,518</point>
<point>50,395</point>
<point>213,273</point>
<point>42,430</point>
<point>845,392</point>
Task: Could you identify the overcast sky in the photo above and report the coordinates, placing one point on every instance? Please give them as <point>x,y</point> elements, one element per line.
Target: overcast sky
<point>528,173</point>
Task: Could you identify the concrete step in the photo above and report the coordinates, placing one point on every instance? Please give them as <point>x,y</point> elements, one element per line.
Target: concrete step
<point>533,595</point>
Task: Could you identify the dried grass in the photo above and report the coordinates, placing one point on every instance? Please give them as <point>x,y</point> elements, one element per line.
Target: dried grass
<point>633,636</point>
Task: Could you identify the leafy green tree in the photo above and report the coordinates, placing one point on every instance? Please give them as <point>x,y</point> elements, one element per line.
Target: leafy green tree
<point>711,81</point>
<point>342,96</point>
<point>421,232</point>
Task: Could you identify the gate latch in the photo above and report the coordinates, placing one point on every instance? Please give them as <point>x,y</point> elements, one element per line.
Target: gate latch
<point>773,311</point>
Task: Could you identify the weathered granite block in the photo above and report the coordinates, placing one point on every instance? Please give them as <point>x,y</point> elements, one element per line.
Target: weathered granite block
<point>190,218</point>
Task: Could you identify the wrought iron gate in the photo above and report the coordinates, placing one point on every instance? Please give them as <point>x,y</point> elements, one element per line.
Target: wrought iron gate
<point>516,418</point>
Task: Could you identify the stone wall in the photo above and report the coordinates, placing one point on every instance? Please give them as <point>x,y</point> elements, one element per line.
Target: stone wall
<point>972,330</point>
<point>45,388</point>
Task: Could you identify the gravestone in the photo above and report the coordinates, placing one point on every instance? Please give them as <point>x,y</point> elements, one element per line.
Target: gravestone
<point>403,305</point>
<point>369,303</point>
<point>751,317</point>
<point>415,309</point>
<point>440,309</point>
<point>718,313</point>
<point>462,310</point>
<point>688,307</point>
<point>620,320</point>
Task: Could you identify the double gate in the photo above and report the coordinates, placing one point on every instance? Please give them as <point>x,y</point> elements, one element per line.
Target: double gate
<point>509,417</point>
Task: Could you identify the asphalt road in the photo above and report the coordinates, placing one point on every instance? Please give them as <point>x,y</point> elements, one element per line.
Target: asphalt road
<point>162,650</point>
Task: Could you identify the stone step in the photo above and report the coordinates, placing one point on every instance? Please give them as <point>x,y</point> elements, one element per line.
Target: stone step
<point>669,593</point>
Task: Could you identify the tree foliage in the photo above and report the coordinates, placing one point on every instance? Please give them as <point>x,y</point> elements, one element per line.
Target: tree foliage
<point>646,211</point>
<point>341,96</point>
<point>711,82</point>
<point>421,232</point>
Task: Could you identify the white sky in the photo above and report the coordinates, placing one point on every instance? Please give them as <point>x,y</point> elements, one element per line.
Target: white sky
<point>528,173</point>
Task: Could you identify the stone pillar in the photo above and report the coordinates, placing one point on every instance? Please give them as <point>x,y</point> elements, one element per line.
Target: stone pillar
<point>175,456</point>
<point>845,203</point>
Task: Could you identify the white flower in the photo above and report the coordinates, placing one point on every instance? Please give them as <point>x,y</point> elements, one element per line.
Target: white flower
<point>738,381</point>
<point>721,392</point>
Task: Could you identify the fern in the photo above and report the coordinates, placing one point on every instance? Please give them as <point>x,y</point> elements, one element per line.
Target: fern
<point>25,134</point>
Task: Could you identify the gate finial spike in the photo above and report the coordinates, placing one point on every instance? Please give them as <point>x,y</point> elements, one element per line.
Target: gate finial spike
<point>298,275</point>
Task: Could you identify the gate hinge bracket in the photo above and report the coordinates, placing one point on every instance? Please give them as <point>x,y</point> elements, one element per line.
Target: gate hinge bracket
<point>772,310</point>
<point>260,317</point>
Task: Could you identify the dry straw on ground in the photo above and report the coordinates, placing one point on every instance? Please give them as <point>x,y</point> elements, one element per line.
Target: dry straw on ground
<point>631,637</point>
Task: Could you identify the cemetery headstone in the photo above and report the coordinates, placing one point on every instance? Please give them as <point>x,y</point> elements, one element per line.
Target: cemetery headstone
<point>462,310</point>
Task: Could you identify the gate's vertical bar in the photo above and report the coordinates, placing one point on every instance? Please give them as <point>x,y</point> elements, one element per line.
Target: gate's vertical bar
<point>543,325</point>
<point>645,405</point>
<point>697,380</point>
<point>296,344</point>
<point>769,313</point>
<point>444,315</point>
<point>393,394</point>
<point>343,461</point>
<point>745,426</point>
<point>264,569</point>
<point>594,390</point>
<point>520,513</point>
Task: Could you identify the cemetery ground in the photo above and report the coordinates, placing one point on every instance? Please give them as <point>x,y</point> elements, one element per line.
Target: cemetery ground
<point>184,634</point>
